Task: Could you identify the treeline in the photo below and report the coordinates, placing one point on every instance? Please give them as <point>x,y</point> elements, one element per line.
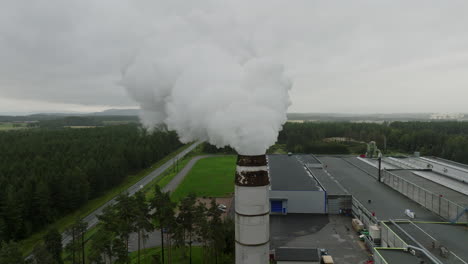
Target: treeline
<point>443,139</point>
<point>51,117</point>
<point>184,224</point>
<point>90,121</point>
<point>45,174</point>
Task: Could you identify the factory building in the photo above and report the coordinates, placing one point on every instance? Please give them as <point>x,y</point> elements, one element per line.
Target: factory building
<point>299,184</point>
<point>293,189</point>
<point>417,213</point>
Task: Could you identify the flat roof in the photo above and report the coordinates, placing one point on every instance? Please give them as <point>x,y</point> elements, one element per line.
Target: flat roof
<point>430,181</point>
<point>451,162</point>
<point>398,256</point>
<point>360,180</point>
<point>332,187</point>
<point>287,173</point>
<point>452,236</point>
<point>309,160</point>
<point>296,254</point>
<point>434,187</point>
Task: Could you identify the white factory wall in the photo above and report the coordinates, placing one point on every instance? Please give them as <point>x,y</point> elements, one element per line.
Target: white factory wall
<point>305,202</point>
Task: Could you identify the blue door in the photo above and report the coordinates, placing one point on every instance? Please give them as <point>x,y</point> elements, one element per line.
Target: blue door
<point>276,206</point>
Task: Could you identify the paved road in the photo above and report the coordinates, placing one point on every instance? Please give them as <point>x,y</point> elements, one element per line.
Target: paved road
<point>154,238</point>
<point>92,219</point>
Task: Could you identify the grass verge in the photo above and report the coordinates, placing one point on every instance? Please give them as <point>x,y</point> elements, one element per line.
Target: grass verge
<point>162,181</point>
<point>209,177</point>
<point>61,224</point>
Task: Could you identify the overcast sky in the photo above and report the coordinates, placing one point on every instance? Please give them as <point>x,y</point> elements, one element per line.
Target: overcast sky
<point>342,56</point>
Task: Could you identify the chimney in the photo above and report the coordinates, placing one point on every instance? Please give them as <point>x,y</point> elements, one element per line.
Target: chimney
<point>252,210</point>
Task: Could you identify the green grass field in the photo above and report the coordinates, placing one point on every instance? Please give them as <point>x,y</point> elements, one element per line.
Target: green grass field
<point>215,174</point>
<point>209,177</point>
<point>61,224</point>
<point>167,176</point>
<point>5,126</point>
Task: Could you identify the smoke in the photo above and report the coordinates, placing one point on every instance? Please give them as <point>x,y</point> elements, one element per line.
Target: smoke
<point>201,74</point>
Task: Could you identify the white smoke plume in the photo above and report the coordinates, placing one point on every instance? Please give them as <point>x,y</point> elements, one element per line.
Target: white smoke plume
<point>201,74</point>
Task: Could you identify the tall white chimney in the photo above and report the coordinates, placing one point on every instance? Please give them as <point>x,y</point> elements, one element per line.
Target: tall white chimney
<point>252,210</point>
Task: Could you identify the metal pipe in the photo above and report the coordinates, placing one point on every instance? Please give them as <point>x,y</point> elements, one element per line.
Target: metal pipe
<point>421,247</point>
<point>427,254</point>
<point>380,166</point>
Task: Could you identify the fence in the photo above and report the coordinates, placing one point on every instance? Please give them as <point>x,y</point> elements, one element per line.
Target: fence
<point>360,212</point>
<point>389,238</point>
<point>378,259</point>
<point>435,203</point>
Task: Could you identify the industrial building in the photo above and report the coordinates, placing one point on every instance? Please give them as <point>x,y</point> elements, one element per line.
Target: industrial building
<point>417,212</point>
<point>293,187</point>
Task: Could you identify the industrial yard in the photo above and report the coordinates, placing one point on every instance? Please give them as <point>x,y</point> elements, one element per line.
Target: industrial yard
<point>403,210</point>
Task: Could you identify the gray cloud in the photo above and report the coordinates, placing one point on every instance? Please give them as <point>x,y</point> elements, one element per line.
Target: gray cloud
<point>343,56</point>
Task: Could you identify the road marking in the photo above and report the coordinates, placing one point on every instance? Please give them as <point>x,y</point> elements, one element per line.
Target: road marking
<point>422,230</point>
<point>458,257</point>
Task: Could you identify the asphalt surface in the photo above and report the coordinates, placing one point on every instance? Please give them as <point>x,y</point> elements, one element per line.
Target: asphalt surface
<point>92,219</point>
<point>399,256</point>
<point>430,185</point>
<point>360,180</point>
<point>332,232</point>
<point>154,238</point>
<point>453,237</point>
<point>434,187</point>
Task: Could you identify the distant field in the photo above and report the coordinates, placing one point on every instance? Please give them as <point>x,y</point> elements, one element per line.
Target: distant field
<point>80,126</point>
<point>210,177</point>
<point>118,122</point>
<point>12,126</point>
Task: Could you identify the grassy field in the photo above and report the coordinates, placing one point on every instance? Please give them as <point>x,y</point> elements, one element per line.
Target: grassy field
<point>4,126</point>
<point>61,224</point>
<point>146,255</point>
<point>167,176</point>
<point>162,181</point>
<point>215,174</point>
<point>118,122</point>
<point>209,177</point>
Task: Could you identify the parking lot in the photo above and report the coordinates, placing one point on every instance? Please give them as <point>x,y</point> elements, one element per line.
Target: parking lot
<point>332,232</point>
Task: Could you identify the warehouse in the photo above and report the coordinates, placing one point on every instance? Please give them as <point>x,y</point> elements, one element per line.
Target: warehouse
<point>339,201</point>
<point>293,188</point>
<point>383,205</point>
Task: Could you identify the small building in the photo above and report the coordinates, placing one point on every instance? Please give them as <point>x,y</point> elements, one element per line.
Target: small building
<point>290,255</point>
<point>293,188</point>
